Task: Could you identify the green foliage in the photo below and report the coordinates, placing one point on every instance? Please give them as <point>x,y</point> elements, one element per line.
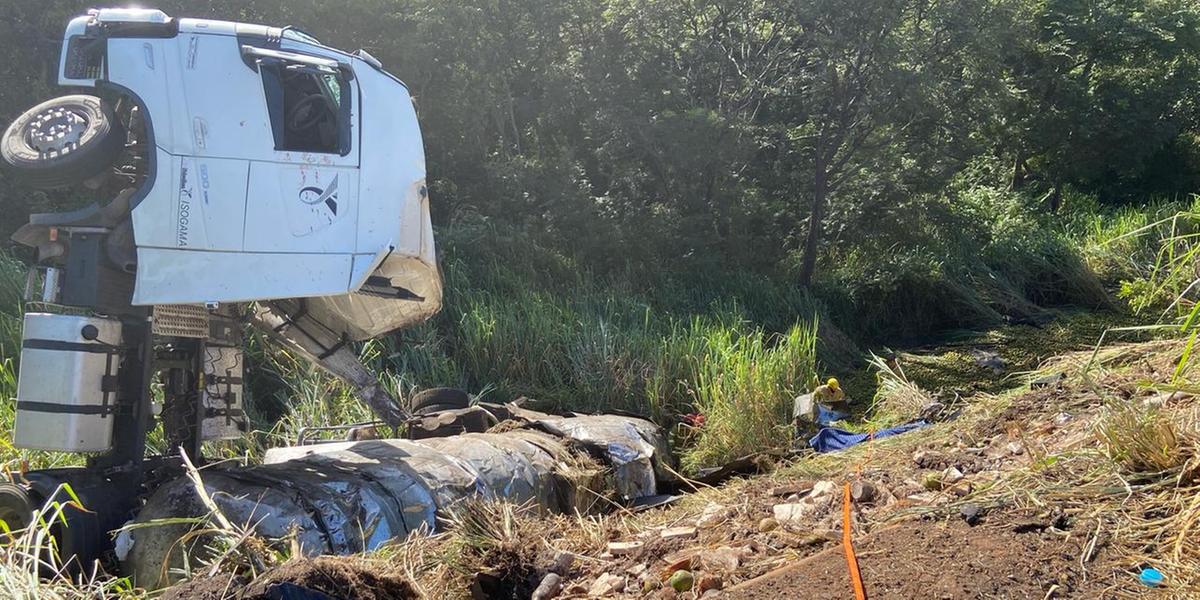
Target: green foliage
<point>744,382</point>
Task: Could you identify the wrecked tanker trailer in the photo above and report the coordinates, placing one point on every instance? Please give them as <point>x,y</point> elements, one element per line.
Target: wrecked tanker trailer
<point>348,497</point>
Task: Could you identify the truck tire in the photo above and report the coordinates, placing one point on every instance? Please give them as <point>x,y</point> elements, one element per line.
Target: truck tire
<point>438,399</point>
<point>62,142</point>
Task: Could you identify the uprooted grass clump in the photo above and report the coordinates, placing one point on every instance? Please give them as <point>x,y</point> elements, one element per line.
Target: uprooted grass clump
<point>1142,439</point>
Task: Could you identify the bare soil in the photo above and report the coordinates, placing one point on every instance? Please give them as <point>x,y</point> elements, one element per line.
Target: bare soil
<point>925,559</point>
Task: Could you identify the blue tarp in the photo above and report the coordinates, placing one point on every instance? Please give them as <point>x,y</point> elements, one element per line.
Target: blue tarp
<point>830,438</point>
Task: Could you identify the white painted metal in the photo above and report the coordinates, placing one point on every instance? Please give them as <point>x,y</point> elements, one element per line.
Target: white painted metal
<point>59,378</point>
<point>228,217</point>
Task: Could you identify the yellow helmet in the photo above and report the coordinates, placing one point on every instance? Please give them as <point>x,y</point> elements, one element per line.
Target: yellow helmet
<point>833,383</point>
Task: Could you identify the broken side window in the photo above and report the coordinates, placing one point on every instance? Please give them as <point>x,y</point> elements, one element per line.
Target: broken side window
<point>309,106</point>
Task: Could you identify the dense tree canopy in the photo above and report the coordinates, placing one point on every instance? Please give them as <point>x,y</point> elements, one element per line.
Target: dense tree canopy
<point>743,134</point>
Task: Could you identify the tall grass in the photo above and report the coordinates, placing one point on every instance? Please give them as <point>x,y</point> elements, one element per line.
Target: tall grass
<point>744,384</point>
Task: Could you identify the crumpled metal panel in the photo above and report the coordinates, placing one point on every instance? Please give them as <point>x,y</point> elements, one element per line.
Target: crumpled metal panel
<point>635,448</point>
<point>348,497</point>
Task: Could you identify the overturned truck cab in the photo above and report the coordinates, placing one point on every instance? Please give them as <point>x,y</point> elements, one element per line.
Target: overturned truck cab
<point>246,175</point>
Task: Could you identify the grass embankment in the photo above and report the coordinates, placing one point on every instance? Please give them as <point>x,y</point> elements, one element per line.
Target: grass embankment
<point>524,320</point>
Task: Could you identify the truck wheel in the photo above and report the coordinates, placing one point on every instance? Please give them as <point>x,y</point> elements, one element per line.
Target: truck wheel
<point>438,399</point>
<point>62,142</point>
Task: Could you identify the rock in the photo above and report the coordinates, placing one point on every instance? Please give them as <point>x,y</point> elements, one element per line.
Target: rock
<point>709,581</point>
<point>667,593</point>
<point>792,513</point>
<point>678,533</point>
<point>797,512</point>
<point>625,548</point>
<point>863,492</point>
<point>767,524</point>
<point>951,476</point>
<point>971,513</point>
<point>563,561</point>
<point>714,514</point>
<point>550,586</point>
<point>1046,381</point>
<point>989,360</point>
<point>723,559</point>
<point>682,581</point>
<point>821,490</point>
<point>1015,448</point>
<point>960,489</point>
<point>929,459</point>
<point>606,585</point>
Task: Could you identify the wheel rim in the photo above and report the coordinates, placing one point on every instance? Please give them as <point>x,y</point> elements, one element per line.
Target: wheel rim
<point>56,131</point>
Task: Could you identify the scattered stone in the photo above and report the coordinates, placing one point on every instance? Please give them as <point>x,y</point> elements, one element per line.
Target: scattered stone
<point>638,570</point>
<point>682,581</point>
<point>932,498</point>
<point>863,492</point>
<point>679,562</point>
<point>711,594</point>
<point>767,524</point>
<point>606,585</point>
<point>794,489</point>
<point>563,561</point>
<point>667,593</point>
<point>678,533</point>
<point>723,559</point>
<point>951,476</point>
<point>549,588</point>
<point>714,514</point>
<point>971,513</point>
<point>708,582</point>
<point>1015,448</point>
<point>929,459</point>
<point>989,360</point>
<point>1046,381</point>
<point>822,489</point>
<point>1063,418</point>
<point>625,548</point>
<point>961,489</point>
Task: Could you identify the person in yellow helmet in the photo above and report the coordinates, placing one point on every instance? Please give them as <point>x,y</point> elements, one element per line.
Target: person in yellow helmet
<point>818,408</point>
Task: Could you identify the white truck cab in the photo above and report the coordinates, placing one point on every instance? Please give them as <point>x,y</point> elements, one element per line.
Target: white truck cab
<point>276,167</point>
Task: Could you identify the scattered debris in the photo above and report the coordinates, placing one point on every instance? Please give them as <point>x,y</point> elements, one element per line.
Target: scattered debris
<point>767,524</point>
<point>971,513</point>
<point>677,533</point>
<point>549,588</point>
<point>723,559</point>
<point>990,360</point>
<point>863,492</point>
<point>1052,380</point>
<point>709,581</point>
<point>625,548</point>
<point>682,581</point>
<point>606,584</point>
<point>714,514</point>
<point>1151,577</point>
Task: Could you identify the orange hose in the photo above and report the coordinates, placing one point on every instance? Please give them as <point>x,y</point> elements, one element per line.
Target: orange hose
<point>860,593</point>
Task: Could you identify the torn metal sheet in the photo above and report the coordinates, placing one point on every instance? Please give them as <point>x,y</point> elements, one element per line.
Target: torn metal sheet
<point>348,497</point>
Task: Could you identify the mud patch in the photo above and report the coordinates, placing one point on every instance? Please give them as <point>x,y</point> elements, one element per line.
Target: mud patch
<point>938,560</point>
<point>341,578</point>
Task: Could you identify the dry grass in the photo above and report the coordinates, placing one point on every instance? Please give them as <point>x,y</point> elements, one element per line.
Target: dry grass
<point>897,399</point>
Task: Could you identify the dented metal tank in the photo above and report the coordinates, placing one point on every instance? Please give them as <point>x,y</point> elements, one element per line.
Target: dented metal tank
<point>348,497</point>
